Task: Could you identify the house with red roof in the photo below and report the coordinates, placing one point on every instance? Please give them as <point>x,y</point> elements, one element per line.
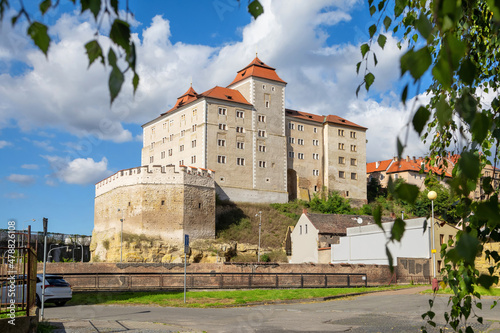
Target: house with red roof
<point>260,150</point>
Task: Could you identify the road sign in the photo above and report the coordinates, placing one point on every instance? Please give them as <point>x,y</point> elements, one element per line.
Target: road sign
<point>186,243</point>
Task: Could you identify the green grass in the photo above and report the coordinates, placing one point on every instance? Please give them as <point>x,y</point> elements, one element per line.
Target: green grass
<point>480,290</point>
<point>206,299</point>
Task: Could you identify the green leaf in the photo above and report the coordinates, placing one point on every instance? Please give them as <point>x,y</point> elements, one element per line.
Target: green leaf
<point>400,147</point>
<point>381,40</point>
<point>443,111</point>
<point>399,7</point>
<point>423,26</point>
<point>135,82</point>
<point>469,165</point>
<point>112,58</point>
<point>255,9</point>
<point>398,229</point>
<point>114,5</point>
<point>369,78</point>
<point>480,127</point>
<point>407,192</point>
<point>416,62</point>
<point>39,35</point>
<point>442,73</point>
<point>420,119</point>
<point>372,10</point>
<point>94,51</point>
<point>372,30</point>
<point>93,5</point>
<point>120,34</point>
<point>389,257</point>
<point>404,94</point>
<point>115,83</point>
<point>45,6</point>
<point>357,67</point>
<point>467,248</point>
<point>364,49</point>
<point>387,23</point>
<point>467,72</point>
<point>375,61</point>
<point>377,216</point>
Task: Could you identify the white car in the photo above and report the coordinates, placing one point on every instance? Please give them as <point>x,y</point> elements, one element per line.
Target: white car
<point>57,290</point>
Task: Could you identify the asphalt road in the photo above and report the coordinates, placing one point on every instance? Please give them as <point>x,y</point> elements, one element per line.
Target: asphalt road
<point>395,311</point>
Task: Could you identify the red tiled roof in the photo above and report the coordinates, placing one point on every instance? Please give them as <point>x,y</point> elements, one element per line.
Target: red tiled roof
<point>321,119</point>
<point>216,92</point>
<point>372,167</point>
<point>259,69</point>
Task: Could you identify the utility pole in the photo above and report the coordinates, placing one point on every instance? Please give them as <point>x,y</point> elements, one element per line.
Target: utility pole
<point>45,222</point>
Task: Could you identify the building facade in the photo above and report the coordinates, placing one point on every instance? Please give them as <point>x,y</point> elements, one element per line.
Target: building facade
<point>261,151</point>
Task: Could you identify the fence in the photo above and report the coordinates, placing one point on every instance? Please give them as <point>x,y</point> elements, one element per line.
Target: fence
<point>17,280</point>
<point>149,281</point>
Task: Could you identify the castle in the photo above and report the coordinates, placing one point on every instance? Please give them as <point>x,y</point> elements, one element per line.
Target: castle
<point>261,152</point>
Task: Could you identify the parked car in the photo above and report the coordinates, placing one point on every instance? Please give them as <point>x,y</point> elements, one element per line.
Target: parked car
<point>57,290</point>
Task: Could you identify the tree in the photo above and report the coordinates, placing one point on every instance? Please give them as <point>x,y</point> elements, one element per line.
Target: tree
<point>122,48</point>
<point>456,43</point>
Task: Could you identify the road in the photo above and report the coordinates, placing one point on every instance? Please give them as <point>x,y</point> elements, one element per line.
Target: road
<point>394,311</point>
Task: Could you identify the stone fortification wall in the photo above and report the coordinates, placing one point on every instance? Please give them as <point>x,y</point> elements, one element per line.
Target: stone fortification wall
<point>156,203</point>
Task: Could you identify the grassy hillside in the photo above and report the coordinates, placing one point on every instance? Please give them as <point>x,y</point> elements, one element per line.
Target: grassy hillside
<point>239,223</point>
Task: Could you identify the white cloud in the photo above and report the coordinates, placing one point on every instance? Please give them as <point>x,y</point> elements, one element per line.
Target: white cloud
<point>291,35</point>
<point>4,144</point>
<point>14,195</point>
<point>45,145</point>
<point>21,179</point>
<point>81,171</point>
<point>30,166</point>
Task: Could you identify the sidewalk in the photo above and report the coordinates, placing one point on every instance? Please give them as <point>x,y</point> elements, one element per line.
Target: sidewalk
<point>93,326</point>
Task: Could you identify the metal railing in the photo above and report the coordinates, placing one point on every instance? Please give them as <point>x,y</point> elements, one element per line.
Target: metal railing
<point>150,281</point>
<point>17,280</point>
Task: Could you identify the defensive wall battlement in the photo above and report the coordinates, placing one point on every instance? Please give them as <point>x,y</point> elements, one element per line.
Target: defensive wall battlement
<point>157,174</point>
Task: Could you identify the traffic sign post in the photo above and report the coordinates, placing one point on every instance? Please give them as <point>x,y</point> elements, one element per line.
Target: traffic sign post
<point>186,250</point>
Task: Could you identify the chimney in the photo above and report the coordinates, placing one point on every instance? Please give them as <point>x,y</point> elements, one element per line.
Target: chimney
<point>304,210</point>
<point>414,159</point>
<point>407,158</point>
<point>395,158</point>
<point>377,164</point>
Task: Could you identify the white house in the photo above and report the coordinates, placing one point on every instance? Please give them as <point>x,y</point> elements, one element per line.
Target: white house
<point>314,235</point>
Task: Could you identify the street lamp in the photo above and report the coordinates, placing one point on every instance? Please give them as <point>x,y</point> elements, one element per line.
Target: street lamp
<point>260,224</point>
<point>121,237</point>
<point>432,195</point>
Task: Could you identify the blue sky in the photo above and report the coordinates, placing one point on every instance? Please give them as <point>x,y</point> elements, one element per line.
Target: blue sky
<point>59,136</point>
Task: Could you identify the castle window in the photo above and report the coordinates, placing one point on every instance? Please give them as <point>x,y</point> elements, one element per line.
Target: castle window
<point>193,159</point>
<point>222,179</point>
<point>181,148</point>
<point>315,142</point>
<point>181,162</point>
<point>267,104</point>
<point>346,193</point>
<point>171,137</point>
<point>240,145</point>
<point>291,125</point>
<point>262,164</point>
<point>152,145</point>
<point>129,203</point>
<point>315,156</point>
<point>291,140</point>
<point>300,127</point>
<point>164,125</point>
<point>262,119</point>
<point>262,148</point>
<point>195,113</point>
<point>300,141</point>
<point>353,147</point>
<point>272,88</point>
<point>193,144</point>
<point>315,130</point>
<point>291,154</point>
<point>341,132</point>
<point>354,176</point>
<point>221,143</point>
<point>315,172</point>
<point>354,162</point>
<point>221,159</point>
<point>240,161</point>
<point>268,180</point>
<point>341,174</point>
<point>170,152</point>
<point>163,202</point>
<point>306,228</point>
<point>183,118</point>
<point>353,135</point>
<point>262,133</point>
<point>199,205</point>
<point>171,123</point>
<point>163,154</point>
<point>301,230</point>
<point>164,139</point>
<point>341,146</point>
<point>222,111</point>
<point>183,132</point>
<point>240,129</point>
<point>223,127</point>
<point>300,156</point>
<point>152,131</point>
<point>240,114</point>
<point>151,159</point>
<point>193,128</point>
<point>267,99</point>
<point>315,188</point>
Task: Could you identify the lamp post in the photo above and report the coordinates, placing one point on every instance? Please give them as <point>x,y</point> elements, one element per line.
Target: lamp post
<point>260,225</point>
<point>432,195</point>
<point>121,236</point>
